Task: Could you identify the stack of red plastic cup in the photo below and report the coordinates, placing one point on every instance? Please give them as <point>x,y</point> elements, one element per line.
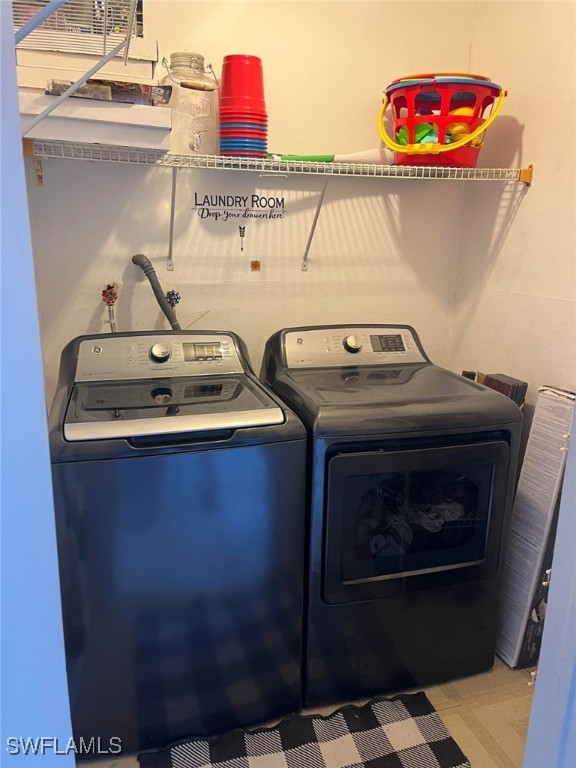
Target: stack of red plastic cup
<point>243,118</point>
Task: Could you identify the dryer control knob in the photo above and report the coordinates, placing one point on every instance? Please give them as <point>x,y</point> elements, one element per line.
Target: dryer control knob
<point>159,353</point>
<point>352,343</point>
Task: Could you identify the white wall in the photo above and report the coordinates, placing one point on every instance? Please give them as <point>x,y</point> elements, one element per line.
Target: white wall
<point>516,286</point>
<point>384,250</point>
<point>375,257</point>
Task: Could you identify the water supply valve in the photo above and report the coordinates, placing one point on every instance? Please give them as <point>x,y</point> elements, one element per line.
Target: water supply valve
<point>110,297</point>
<point>110,294</point>
<point>172,297</point>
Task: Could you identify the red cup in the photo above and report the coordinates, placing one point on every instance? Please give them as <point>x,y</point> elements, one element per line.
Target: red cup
<point>240,101</point>
<point>242,117</point>
<point>240,104</point>
<point>242,124</point>
<point>246,122</point>
<point>242,133</point>
<point>242,77</point>
<point>243,108</point>
<point>246,106</point>
<point>245,125</point>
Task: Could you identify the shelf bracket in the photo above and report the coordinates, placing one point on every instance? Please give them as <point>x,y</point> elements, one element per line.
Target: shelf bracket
<point>313,228</point>
<point>169,258</point>
<point>525,175</point>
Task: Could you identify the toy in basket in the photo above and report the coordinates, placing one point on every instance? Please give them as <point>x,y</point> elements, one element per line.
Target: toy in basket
<point>440,119</point>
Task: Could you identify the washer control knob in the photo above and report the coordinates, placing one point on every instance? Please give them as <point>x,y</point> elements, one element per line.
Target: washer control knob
<point>160,352</point>
<point>161,395</point>
<point>352,343</point>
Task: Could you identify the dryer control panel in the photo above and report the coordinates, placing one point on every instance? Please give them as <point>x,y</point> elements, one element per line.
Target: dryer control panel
<point>116,357</point>
<point>354,345</point>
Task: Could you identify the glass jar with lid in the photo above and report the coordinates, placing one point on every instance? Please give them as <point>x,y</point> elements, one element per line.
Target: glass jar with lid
<point>194,104</point>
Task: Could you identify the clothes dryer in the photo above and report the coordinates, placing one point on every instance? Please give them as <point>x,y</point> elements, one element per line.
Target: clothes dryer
<point>411,476</point>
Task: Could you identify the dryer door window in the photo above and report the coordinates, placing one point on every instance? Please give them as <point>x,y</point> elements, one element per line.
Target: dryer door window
<point>413,519</point>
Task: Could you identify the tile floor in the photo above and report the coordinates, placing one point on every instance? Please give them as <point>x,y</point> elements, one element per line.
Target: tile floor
<point>486,714</point>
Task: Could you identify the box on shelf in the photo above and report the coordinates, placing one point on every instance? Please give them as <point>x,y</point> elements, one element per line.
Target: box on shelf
<point>113,90</point>
<point>89,121</point>
<point>530,548</point>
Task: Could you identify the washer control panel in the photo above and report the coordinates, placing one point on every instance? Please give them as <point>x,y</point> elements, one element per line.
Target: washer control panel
<point>117,358</point>
<point>356,345</point>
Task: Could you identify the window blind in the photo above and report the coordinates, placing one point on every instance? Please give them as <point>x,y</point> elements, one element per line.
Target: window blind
<point>78,26</point>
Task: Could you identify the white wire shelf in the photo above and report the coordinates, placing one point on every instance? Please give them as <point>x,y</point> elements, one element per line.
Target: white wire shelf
<point>114,154</point>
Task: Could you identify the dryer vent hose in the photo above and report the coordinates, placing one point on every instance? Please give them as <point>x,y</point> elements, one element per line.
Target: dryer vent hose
<point>146,266</point>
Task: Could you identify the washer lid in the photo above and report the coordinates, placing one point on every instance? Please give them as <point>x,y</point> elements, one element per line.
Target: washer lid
<point>124,409</point>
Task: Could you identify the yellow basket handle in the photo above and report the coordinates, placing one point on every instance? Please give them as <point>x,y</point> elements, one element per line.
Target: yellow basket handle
<point>434,149</point>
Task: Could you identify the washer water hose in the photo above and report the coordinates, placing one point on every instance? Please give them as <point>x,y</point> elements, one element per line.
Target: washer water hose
<point>146,266</point>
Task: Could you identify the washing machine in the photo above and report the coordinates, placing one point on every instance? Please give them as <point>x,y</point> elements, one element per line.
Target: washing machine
<point>179,500</point>
<point>411,476</point>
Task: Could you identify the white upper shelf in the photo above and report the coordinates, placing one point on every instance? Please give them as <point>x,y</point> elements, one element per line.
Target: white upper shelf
<point>116,154</point>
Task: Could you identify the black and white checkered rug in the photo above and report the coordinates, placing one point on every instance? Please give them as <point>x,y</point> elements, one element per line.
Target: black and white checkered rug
<point>402,732</point>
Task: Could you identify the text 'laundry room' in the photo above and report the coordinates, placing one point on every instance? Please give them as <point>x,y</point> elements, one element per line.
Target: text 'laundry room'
<point>292,292</point>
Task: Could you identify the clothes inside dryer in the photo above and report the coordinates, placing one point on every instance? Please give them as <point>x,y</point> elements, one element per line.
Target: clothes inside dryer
<point>408,522</point>
<point>403,513</point>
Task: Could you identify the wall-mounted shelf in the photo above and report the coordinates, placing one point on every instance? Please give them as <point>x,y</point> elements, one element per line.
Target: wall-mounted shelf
<point>153,157</point>
<point>71,150</point>
<point>112,154</point>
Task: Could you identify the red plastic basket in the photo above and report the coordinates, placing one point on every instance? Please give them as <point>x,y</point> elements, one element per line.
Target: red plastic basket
<point>440,119</point>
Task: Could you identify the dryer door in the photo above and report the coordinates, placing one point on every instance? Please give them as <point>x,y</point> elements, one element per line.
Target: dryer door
<point>406,520</point>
